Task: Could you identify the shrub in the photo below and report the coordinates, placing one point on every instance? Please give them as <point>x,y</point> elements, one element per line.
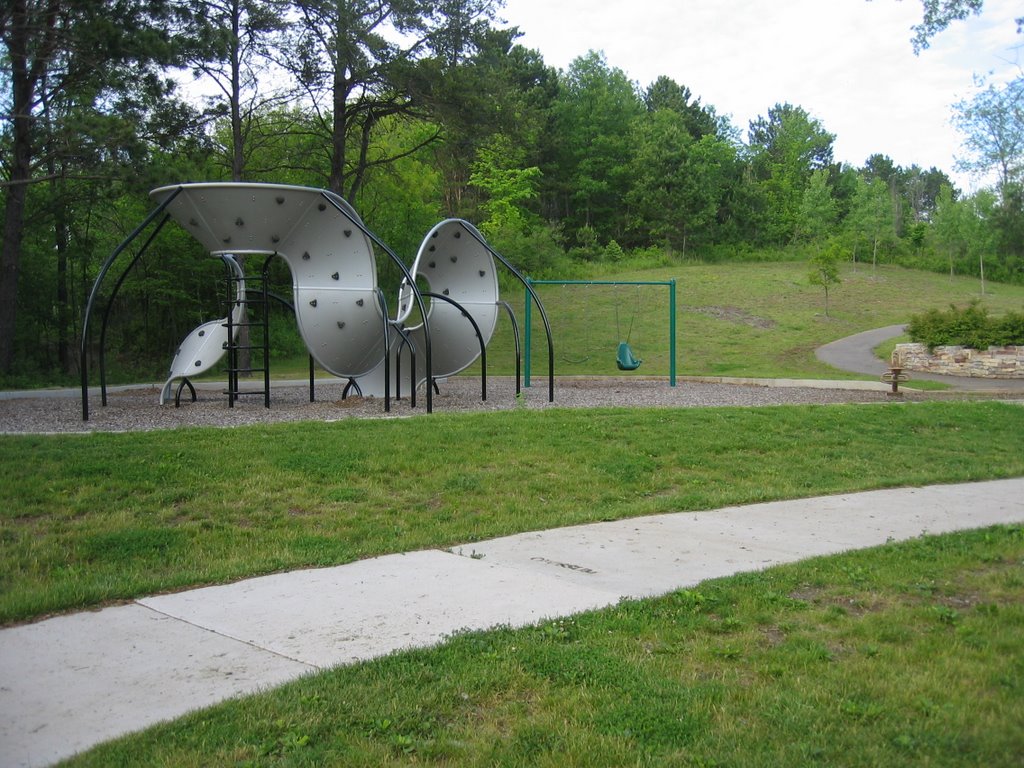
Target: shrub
<point>968,327</point>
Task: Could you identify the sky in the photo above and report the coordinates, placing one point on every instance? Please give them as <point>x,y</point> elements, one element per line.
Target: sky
<point>848,63</point>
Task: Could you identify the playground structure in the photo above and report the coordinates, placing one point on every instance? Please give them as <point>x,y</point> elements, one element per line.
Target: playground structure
<point>625,359</point>
<point>341,311</point>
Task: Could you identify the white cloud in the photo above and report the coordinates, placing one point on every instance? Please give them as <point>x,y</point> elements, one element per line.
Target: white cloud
<point>847,62</point>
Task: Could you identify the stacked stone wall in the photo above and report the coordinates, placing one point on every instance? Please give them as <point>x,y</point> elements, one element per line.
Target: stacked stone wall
<point>993,363</point>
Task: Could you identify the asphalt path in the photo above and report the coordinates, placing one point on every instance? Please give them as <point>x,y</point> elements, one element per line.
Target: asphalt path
<point>855,354</point>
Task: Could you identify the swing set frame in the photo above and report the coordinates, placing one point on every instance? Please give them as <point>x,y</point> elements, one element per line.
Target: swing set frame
<point>670,284</point>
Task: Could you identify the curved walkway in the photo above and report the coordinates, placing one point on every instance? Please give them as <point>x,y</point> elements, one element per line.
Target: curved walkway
<point>72,681</point>
<point>855,354</point>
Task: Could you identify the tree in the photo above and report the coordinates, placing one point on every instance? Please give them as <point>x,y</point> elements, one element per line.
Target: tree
<point>679,182</point>
<point>817,210</point>
<point>871,217</point>
<point>939,14</point>
<point>357,63</point>
<point>499,171</point>
<point>787,147</point>
<point>72,65</point>
<point>825,270</point>
<point>963,229</point>
<point>666,93</point>
<point>992,123</point>
<point>593,119</point>
<point>500,89</point>
<point>234,48</point>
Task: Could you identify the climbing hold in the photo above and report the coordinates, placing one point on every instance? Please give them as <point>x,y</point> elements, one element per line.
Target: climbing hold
<point>322,207</point>
<point>454,259</point>
<point>341,324</point>
<point>202,333</point>
<point>279,199</point>
<point>239,222</point>
<point>482,273</point>
<point>457,234</point>
<point>312,303</point>
<point>305,256</point>
<point>359,302</point>
<point>335,276</point>
<point>348,233</point>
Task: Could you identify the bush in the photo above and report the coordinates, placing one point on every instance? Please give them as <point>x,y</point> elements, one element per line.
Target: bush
<point>968,327</point>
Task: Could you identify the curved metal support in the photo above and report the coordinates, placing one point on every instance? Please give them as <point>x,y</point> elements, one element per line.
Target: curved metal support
<point>515,333</point>
<point>177,395</point>
<point>352,384</point>
<point>475,234</point>
<point>110,304</point>
<point>479,338</point>
<point>408,276</point>
<point>406,341</point>
<point>383,302</point>
<point>84,348</point>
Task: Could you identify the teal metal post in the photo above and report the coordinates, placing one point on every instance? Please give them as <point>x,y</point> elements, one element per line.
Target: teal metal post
<point>526,340</point>
<point>672,332</point>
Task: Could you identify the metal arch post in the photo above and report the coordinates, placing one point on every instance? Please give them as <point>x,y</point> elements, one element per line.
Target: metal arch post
<point>383,302</point>
<point>232,301</point>
<point>528,340</point>
<point>479,338</point>
<point>515,334</point>
<point>412,282</point>
<point>84,347</point>
<point>110,304</point>
<point>672,331</point>
<point>265,308</point>
<point>533,294</point>
<point>405,342</point>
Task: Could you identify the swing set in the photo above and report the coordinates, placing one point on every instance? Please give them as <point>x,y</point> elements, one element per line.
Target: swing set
<point>625,357</point>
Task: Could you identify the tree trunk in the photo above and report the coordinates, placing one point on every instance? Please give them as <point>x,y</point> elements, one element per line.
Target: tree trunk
<point>238,168</point>
<point>22,23</point>
<point>21,170</point>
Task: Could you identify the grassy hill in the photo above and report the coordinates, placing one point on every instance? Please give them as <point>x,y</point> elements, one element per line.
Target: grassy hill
<point>761,320</point>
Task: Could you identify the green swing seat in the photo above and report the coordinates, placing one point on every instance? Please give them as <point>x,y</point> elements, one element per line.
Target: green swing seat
<point>625,359</point>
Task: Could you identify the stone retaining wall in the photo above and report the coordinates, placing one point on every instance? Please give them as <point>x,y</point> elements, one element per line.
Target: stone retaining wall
<point>993,363</point>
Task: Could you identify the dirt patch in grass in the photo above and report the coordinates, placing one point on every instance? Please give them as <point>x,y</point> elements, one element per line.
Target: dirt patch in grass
<point>736,315</point>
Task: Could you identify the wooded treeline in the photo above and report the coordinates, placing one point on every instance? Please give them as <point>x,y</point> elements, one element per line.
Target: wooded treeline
<point>416,110</point>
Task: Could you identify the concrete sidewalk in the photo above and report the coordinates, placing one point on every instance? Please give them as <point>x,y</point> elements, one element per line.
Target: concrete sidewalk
<point>70,682</point>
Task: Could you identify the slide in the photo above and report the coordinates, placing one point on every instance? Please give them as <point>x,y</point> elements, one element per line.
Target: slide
<point>206,345</point>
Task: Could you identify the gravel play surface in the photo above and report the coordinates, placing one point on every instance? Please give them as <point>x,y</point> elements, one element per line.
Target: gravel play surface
<point>139,409</point>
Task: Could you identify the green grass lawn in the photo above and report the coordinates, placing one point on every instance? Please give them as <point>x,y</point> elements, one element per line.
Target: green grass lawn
<point>747,320</point>
<point>905,655</point>
<point>94,518</point>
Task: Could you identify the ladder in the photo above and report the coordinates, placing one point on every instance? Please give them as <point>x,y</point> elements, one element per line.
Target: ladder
<point>255,318</point>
